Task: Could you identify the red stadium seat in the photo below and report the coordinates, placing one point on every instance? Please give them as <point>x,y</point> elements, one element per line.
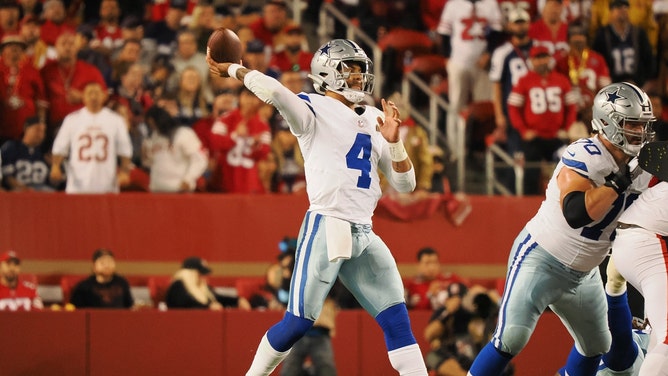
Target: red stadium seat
<point>157,288</point>
<point>247,286</point>
<point>67,283</point>
<point>406,39</point>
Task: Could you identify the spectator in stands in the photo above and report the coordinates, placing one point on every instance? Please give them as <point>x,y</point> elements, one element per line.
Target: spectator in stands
<point>469,30</point>
<point>428,289</point>
<point>94,57</point>
<point>203,22</point>
<point>173,153</point>
<point>93,138</point>
<point>129,52</point>
<point>31,7</point>
<point>256,56</point>
<point>290,175</point>
<point>661,124</point>
<point>9,18</point>
<point>22,88</point>
<point>187,56</point>
<point>238,13</point>
<point>291,54</point>
<point>24,166</point>
<point>625,47</point>
<point>55,22</point>
<point>542,109</point>
<point>416,142</point>
<point>639,13</point>
<point>132,28</point>
<point>458,330</point>
<point>64,81</point>
<point>269,27</point>
<point>35,47</point>
<point>107,34</point>
<point>190,97</point>
<point>242,138</point>
<point>104,288</point>
<point>16,294</point>
<point>586,69</point>
<point>156,80</point>
<point>508,65</point>
<point>189,288</point>
<point>551,30</point>
<point>162,34</point>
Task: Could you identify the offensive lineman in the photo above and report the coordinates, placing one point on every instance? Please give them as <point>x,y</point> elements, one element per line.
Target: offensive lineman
<point>92,137</point>
<point>554,260</point>
<point>343,144</point>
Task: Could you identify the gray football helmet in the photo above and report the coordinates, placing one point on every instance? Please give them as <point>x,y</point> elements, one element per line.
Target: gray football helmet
<point>616,104</point>
<point>330,69</point>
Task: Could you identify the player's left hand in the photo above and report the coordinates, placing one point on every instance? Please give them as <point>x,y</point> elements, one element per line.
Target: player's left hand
<point>389,127</point>
<point>218,69</point>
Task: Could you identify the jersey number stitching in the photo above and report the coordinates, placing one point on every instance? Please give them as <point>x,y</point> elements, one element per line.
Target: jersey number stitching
<point>359,158</point>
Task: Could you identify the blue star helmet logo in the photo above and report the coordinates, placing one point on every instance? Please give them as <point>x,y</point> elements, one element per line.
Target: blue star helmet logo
<point>614,97</point>
<point>325,49</point>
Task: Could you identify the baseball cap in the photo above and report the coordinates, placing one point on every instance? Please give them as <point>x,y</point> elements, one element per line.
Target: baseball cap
<point>255,46</point>
<point>196,263</point>
<point>10,256</point>
<point>576,28</point>
<point>538,51</point>
<point>101,252</point>
<point>619,3</point>
<point>518,15</point>
<point>33,120</point>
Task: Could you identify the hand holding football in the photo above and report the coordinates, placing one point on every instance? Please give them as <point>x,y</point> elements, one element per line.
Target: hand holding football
<point>224,46</point>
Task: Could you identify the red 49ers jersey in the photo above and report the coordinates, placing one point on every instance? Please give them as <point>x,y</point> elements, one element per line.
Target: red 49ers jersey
<point>543,104</point>
<point>542,36</point>
<point>23,298</point>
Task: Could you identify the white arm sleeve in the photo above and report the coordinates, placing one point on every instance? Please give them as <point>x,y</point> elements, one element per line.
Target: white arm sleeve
<point>61,145</point>
<point>401,181</point>
<point>294,109</point>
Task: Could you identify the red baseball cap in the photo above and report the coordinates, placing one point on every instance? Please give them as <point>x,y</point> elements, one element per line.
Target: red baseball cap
<point>10,256</point>
<point>537,51</point>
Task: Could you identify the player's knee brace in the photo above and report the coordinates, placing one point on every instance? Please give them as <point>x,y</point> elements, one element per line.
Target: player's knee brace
<point>396,327</point>
<point>513,340</point>
<point>288,331</point>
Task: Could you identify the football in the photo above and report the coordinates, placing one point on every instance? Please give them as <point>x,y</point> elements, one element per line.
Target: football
<point>224,46</point>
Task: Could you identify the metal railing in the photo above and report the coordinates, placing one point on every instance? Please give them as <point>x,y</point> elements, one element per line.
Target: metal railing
<point>430,121</point>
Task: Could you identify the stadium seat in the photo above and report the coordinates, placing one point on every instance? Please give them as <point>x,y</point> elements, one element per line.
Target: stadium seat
<point>157,287</point>
<point>67,283</point>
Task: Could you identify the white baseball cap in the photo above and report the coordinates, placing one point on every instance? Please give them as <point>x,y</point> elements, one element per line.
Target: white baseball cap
<point>518,15</point>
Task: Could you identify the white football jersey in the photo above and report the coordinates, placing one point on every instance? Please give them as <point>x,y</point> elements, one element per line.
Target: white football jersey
<point>342,150</point>
<point>650,211</point>
<point>582,248</point>
<point>92,142</point>
<point>468,24</point>
<point>171,164</point>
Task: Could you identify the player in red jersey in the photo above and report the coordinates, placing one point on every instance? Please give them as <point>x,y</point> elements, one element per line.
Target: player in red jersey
<point>541,107</point>
<point>15,293</point>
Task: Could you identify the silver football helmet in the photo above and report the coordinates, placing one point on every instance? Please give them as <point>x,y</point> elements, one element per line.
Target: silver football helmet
<point>616,104</point>
<point>331,65</point>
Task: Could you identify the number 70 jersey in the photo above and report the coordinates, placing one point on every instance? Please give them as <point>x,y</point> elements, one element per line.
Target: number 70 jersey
<point>582,248</point>
<point>92,142</point>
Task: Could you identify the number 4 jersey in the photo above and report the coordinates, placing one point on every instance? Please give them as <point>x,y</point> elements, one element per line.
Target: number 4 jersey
<point>92,142</point>
<point>582,248</point>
